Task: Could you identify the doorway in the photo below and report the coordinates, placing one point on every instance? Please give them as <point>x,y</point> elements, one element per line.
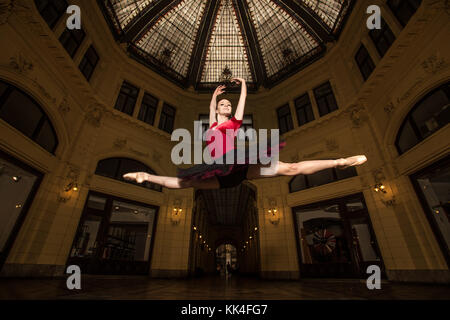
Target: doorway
<point>335,239</point>
<point>18,186</point>
<point>226,259</point>
<point>432,186</point>
<point>115,236</point>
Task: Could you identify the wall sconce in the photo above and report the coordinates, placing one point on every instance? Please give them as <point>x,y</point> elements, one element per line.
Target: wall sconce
<point>379,187</point>
<point>176,215</point>
<point>274,217</point>
<point>68,190</point>
<point>73,186</point>
<point>387,198</point>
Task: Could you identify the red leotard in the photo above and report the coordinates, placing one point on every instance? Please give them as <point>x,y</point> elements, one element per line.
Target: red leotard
<point>227,137</point>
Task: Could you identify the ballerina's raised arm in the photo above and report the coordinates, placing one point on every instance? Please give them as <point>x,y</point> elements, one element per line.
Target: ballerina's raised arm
<point>239,114</point>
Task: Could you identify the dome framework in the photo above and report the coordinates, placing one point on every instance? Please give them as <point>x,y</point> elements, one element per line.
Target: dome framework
<point>200,43</point>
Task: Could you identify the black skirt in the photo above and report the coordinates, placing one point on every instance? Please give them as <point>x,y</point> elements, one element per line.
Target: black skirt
<point>220,169</point>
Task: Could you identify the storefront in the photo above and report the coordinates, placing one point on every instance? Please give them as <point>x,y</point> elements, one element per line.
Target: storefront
<point>115,236</point>
<point>18,185</point>
<point>432,185</point>
<point>335,239</point>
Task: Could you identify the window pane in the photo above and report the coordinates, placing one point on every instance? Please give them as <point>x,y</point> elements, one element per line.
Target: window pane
<point>14,195</point>
<point>96,202</point>
<point>129,106</point>
<point>284,119</point>
<point>404,9</point>
<point>364,62</point>
<point>304,110</point>
<point>434,186</point>
<point>51,10</point>
<point>407,138</point>
<point>127,98</point>
<point>363,240</point>
<point>429,113</point>
<point>71,40</point>
<point>426,117</point>
<point>346,173</point>
<point>130,232</point>
<point>86,243</point>
<point>325,99</point>
<point>167,118</point>
<point>108,168</point>
<point>382,38</point>
<point>320,178</point>
<point>323,107</point>
<point>21,112</point>
<point>120,103</point>
<point>24,114</point>
<point>3,87</point>
<point>46,137</point>
<point>89,62</point>
<point>297,183</point>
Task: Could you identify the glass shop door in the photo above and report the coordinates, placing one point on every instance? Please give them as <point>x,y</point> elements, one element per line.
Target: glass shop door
<point>115,236</point>
<point>335,239</point>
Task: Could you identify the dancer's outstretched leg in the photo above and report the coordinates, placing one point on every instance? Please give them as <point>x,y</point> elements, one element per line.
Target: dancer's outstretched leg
<point>304,167</point>
<point>172,182</point>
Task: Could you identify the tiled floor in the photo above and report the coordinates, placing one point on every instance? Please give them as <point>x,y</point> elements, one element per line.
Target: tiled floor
<point>215,288</point>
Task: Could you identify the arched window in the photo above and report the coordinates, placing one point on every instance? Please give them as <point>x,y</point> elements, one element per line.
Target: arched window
<point>115,168</point>
<point>302,182</point>
<point>24,113</point>
<point>425,118</point>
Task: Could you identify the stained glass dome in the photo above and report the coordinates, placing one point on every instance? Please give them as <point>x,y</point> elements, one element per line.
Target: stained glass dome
<point>201,43</point>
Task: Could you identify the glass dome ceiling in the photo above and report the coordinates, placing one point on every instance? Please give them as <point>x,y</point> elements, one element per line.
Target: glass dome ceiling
<point>201,43</point>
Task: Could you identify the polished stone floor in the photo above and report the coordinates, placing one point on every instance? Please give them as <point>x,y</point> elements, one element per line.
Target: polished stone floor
<point>215,288</point>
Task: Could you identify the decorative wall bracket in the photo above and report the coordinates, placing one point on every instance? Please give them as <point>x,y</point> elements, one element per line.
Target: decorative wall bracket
<point>176,212</point>
<point>70,185</point>
<point>383,190</point>
<point>274,216</point>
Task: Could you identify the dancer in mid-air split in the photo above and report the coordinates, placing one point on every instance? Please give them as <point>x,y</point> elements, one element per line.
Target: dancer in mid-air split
<point>224,175</point>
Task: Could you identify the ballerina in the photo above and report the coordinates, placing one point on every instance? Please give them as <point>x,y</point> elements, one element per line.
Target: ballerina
<point>222,175</point>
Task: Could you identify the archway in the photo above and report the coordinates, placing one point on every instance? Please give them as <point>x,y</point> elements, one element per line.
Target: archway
<point>227,259</point>
<point>221,218</point>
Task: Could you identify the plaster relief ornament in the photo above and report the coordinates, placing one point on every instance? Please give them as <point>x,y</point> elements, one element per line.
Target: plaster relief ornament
<point>434,64</point>
<point>20,64</point>
<point>94,115</point>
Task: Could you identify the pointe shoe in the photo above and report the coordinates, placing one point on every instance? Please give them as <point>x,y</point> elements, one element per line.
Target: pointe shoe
<point>351,161</point>
<point>139,177</point>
